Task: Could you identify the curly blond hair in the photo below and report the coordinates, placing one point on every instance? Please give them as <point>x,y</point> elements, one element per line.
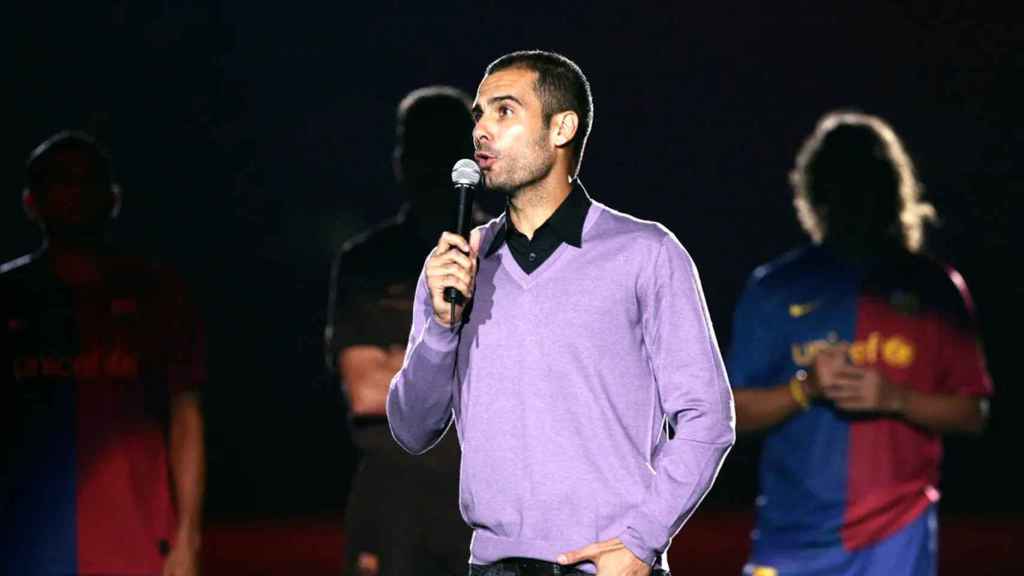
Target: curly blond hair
<point>852,153</point>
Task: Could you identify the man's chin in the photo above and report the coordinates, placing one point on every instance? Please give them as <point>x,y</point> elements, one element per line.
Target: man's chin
<point>496,185</point>
<point>80,234</point>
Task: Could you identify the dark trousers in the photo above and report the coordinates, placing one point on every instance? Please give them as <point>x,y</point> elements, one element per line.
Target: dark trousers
<point>528,567</point>
<point>404,509</point>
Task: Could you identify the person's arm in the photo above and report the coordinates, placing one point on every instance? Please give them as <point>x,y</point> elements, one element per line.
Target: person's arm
<point>758,362</point>
<point>864,389</point>
<point>762,408</point>
<point>366,372</point>
<point>858,389</point>
<point>363,367</point>
<point>188,472</point>
<point>959,402</point>
<point>945,413</point>
<point>419,403</point>
<point>186,374</point>
<point>695,396</point>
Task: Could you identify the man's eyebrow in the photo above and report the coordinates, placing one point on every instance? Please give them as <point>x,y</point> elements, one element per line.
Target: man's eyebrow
<point>494,100</point>
<point>477,109</point>
<point>502,98</point>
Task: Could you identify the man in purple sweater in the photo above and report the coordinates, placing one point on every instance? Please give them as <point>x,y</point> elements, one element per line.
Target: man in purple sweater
<point>584,332</point>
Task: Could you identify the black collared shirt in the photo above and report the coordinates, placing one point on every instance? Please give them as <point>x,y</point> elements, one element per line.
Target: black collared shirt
<point>564,225</point>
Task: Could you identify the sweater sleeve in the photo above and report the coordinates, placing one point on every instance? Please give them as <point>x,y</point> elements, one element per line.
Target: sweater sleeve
<point>419,404</point>
<point>695,396</point>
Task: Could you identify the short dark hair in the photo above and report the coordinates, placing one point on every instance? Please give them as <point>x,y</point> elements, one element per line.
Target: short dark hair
<point>435,120</point>
<point>40,160</point>
<point>560,86</point>
<point>433,129</point>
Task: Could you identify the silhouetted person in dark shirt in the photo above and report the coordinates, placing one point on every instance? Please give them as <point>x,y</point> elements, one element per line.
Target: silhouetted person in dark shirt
<point>403,516</point>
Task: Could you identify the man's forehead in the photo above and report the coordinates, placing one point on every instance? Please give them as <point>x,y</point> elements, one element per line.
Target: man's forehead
<point>517,82</point>
<point>70,161</point>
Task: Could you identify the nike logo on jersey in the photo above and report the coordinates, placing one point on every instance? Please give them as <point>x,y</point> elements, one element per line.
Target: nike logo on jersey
<point>800,310</point>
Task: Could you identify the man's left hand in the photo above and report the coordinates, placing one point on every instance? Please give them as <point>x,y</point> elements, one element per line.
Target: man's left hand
<point>611,557</point>
<point>857,389</point>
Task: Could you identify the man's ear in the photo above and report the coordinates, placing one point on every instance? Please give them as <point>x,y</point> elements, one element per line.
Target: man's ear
<point>28,203</point>
<point>116,197</point>
<point>564,126</point>
<point>397,155</point>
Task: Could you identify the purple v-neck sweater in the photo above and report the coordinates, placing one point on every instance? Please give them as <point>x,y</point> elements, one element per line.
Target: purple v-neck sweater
<point>560,382</point>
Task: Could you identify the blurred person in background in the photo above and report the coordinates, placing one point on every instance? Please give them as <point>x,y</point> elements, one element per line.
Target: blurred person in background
<point>402,516</point>
<point>853,356</point>
<point>102,356</point>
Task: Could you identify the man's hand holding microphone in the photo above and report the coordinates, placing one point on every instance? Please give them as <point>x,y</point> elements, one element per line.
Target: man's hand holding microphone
<point>451,268</point>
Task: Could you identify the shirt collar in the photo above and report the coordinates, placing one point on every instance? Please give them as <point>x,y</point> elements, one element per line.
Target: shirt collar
<point>566,221</point>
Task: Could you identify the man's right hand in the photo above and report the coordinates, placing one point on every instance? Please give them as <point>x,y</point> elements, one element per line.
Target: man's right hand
<point>452,263</point>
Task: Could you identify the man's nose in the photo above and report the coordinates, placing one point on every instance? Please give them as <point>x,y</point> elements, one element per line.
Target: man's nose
<point>66,194</point>
<point>481,133</point>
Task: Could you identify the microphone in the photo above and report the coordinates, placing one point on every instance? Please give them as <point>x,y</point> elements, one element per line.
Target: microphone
<point>465,179</point>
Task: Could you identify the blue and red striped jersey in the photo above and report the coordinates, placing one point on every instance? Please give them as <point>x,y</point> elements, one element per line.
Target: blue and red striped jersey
<point>87,378</point>
<point>829,477</point>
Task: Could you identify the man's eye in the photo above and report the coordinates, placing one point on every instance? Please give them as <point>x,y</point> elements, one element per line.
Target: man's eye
<point>504,111</point>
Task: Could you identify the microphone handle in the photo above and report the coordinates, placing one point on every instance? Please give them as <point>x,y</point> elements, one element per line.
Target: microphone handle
<point>462,225</point>
<point>453,296</point>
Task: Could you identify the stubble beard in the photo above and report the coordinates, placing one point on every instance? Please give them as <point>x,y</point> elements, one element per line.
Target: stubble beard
<point>522,173</point>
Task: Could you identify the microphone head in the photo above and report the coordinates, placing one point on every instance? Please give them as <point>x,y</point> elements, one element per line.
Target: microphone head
<point>465,173</point>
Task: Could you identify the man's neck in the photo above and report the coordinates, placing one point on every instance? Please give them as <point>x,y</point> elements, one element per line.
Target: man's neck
<point>430,217</point>
<point>531,207</point>
<point>75,264</point>
<point>863,250</point>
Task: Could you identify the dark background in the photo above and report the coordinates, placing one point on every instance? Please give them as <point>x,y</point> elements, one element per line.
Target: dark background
<point>251,141</point>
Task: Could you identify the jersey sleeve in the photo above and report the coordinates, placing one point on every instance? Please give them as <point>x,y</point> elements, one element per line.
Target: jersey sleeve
<point>348,317</point>
<point>370,304</point>
<point>8,395</point>
<point>755,349</point>
<point>962,367</point>
<point>185,336</point>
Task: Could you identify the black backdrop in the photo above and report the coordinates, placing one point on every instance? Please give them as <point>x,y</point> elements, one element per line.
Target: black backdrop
<point>251,140</point>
